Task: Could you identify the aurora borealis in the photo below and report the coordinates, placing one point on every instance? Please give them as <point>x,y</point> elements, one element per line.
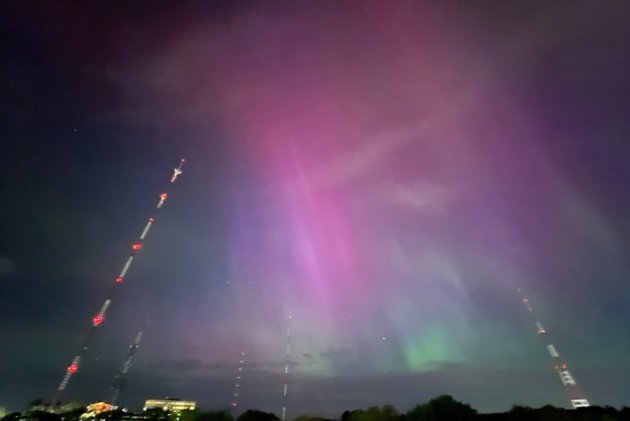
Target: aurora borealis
<point>386,173</point>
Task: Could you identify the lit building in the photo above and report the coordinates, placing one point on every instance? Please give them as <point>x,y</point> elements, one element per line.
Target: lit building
<point>174,405</point>
<point>94,410</point>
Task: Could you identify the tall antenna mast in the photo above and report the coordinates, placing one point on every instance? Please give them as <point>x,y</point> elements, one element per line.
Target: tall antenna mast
<point>99,317</point>
<point>121,378</point>
<point>285,389</point>
<point>236,393</point>
<point>576,396</point>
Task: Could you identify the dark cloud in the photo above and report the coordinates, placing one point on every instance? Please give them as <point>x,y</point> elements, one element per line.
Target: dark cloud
<point>178,365</point>
<point>334,353</point>
<point>7,267</point>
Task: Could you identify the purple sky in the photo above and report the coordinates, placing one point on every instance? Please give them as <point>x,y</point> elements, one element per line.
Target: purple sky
<point>385,173</point>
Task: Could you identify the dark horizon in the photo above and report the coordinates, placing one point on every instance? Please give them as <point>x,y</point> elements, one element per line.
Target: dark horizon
<point>439,408</point>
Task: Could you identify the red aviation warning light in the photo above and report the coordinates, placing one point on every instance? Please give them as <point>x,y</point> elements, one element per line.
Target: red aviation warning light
<point>151,219</point>
<point>97,320</point>
<point>136,246</point>
<point>73,368</point>
<point>119,279</point>
<point>163,198</point>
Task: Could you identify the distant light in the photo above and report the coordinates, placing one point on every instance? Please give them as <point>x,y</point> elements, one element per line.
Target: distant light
<point>73,368</point>
<point>151,219</point>
<point>164,196</point>
<point>97,320</point>
<point>384,338</point>
<point>136,246</point>
<point>119,279</point>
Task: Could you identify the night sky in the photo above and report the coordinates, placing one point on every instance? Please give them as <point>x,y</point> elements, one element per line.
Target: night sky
<point>387,173</point>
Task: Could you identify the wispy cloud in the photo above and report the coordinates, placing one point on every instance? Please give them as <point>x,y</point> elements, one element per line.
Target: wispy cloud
<point>366,157</point>
<point>422,197</point>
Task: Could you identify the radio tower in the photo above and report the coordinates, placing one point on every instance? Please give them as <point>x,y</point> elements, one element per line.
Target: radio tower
<point>99,317</point>
<point>285,389</point>
<point>576,396</point>
<point>121,378</point>
<point>237,383</point>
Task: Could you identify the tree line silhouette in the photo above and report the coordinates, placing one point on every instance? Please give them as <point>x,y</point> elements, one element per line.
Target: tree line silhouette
<point>441,408</point>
